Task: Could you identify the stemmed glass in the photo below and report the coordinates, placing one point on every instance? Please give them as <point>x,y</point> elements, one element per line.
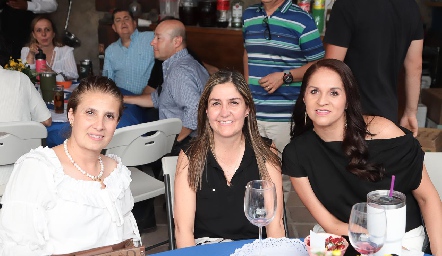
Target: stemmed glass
<point>260,204</point>
<point>367,228</point>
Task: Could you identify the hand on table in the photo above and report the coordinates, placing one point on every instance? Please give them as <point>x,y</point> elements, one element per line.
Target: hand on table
<point>271,82</point>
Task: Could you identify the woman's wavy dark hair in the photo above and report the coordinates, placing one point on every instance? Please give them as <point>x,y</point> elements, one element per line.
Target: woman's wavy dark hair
<point>354,144</point>
<point>200,146</point>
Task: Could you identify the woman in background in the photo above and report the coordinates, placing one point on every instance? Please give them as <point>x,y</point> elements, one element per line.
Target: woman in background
<point>71,197</point>
<point>337,155</point>
<point>212,174</point>
<point>59,58</point>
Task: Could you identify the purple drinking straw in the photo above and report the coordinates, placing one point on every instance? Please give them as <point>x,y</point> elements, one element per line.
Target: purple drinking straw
<point>392,185</point>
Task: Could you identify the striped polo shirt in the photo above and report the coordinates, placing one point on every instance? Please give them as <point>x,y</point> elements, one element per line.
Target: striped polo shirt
<point>295,41</point>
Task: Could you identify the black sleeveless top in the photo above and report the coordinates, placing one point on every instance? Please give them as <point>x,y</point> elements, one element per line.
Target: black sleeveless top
<point>219,207</point>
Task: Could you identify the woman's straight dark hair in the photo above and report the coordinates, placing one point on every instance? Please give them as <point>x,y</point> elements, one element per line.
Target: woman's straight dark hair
<point>354,144</point>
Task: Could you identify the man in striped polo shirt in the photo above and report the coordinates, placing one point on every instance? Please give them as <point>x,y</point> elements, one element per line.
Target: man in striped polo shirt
<point>281,41</point>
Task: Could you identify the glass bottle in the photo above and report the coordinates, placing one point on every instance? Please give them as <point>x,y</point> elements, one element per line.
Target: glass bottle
<point>188,12</point>
<point>318,14</point>
<point>305,5</point>
<point>237,10</point>
<point>135,9</point>
<point>207,13</point>
<point>222,7</point>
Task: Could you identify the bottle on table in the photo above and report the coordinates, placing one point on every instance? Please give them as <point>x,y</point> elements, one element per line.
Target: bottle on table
<point>222,8</point>
<point>40,60</point>
<point>237,10</point>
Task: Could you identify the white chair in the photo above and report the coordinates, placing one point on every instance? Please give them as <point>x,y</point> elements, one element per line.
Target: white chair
<point>433,163</point>
<point>143,144</point>
<point>16,139</point>
<point>136,148</point>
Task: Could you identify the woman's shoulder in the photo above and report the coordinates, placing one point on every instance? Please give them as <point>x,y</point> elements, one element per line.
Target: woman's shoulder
<point>382,128</point>
<point>40,165</point>
<point>43,155</point>
<point>117,168</point>
<point>301,142</point>
<point>64,48</point>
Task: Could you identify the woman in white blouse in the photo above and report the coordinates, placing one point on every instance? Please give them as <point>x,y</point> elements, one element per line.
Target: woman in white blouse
<point>71,197</point>
<point>59,58</point>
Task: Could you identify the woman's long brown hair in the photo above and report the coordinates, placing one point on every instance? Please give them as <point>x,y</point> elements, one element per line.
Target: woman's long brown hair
<point>199,148</point>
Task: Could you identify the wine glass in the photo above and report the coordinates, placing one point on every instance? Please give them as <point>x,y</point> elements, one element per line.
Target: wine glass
<point>260,204</point>
<point>367,228</point>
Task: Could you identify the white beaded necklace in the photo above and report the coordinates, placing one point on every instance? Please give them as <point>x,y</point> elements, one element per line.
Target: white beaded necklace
<point>94,178</point>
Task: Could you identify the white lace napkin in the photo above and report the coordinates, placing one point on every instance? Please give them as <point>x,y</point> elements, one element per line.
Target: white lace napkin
<point>273,246</point>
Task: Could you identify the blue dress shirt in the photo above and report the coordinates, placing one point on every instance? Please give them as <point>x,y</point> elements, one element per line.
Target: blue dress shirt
<point>184,81</point>
<point>130,67</point>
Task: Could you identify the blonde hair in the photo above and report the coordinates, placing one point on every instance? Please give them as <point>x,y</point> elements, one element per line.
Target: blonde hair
<point>55,40</point>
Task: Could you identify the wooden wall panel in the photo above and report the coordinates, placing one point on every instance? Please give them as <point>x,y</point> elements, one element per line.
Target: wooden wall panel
<point>220,47</point>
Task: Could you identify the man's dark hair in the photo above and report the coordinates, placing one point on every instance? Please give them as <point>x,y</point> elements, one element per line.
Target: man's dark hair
<point>117,10</point>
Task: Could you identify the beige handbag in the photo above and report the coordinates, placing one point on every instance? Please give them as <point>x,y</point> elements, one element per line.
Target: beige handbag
<point>125,248</point>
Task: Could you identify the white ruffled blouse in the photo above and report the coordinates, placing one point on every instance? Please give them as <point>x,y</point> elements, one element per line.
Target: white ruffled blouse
<point>48,212</point>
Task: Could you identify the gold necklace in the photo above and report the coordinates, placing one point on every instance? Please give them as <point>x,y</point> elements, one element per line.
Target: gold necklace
<point>228,172</point>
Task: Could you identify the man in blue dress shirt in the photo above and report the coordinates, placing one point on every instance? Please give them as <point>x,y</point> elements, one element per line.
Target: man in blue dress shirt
<point>130,59</point>
<point>184,80</point>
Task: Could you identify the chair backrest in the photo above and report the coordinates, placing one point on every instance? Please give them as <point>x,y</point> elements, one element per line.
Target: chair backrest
<point>144,143</point>
<point>433,163</point>
<point>169,167</point>
<point>18,138</point>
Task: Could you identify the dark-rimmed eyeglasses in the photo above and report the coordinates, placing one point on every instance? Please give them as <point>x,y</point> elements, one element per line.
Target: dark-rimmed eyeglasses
<point>265,23</point>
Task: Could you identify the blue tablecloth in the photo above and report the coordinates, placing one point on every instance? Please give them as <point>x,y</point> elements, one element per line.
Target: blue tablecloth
<point>220,249</point>
<point>132,115</point>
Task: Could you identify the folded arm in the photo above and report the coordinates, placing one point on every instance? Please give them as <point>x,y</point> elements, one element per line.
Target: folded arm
<point>143,100</point>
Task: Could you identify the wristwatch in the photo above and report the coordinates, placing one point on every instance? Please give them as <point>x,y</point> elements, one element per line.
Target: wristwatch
<point>288,77</point>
